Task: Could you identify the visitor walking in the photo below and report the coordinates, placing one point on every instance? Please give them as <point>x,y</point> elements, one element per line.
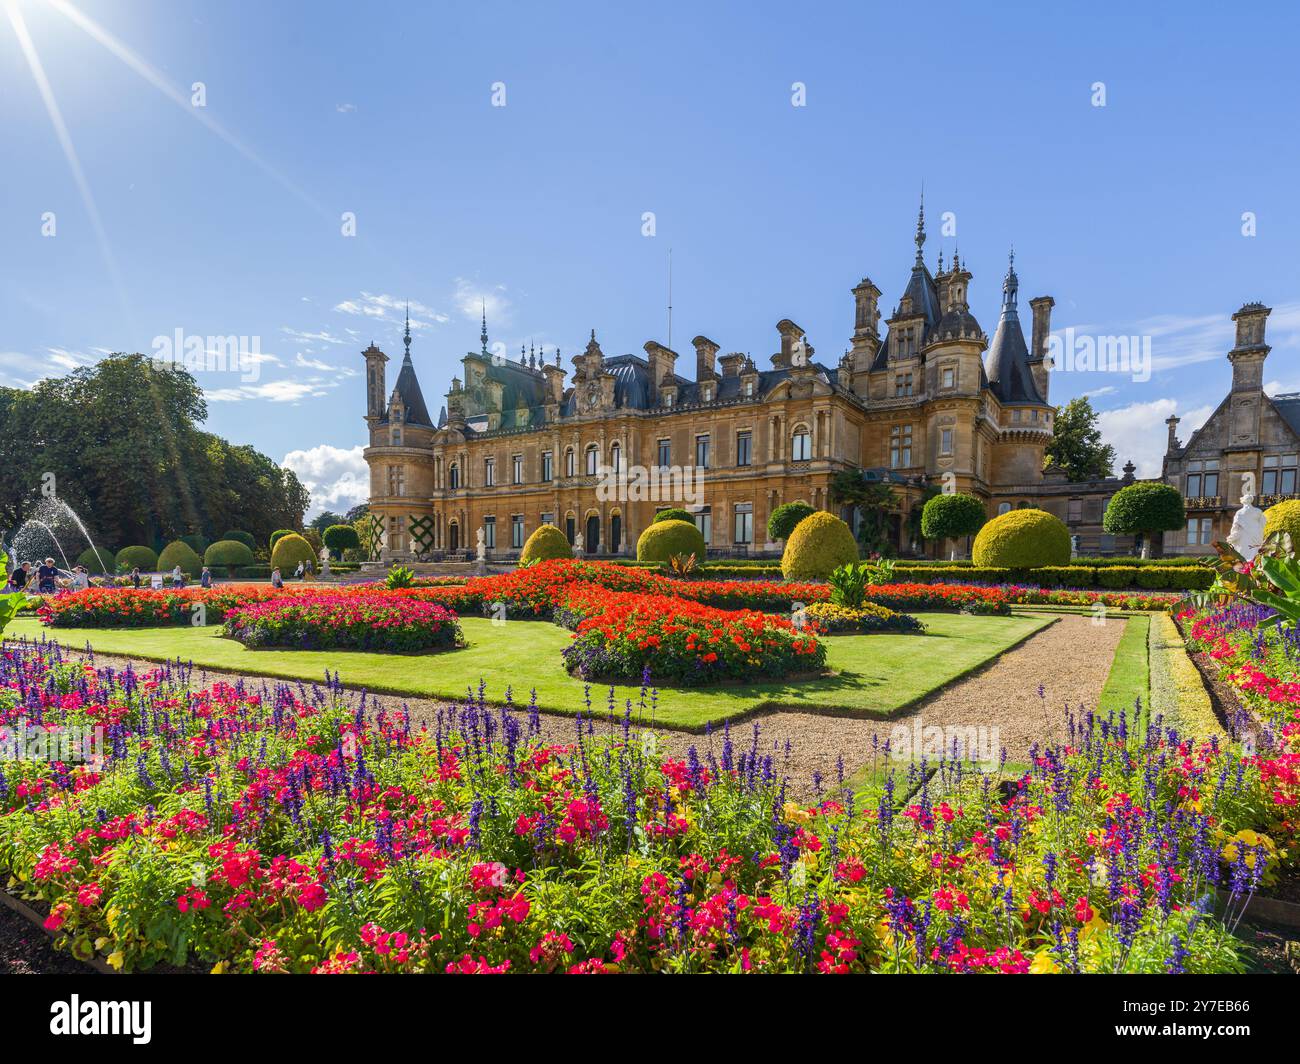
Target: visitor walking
<point>277,581</point>
<point>46,577</point>
<point>205,578</point>
<point>178,577</point>
<point>135,578</point>
<point>298,572</point>
<point>80,578</point>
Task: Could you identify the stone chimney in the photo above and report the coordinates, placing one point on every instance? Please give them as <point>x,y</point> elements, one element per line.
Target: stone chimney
<point>731,363</point>
<point>791,339</point>
<point>705,352</point>
<point>1039,364</point>
<point>1172,422</point>
<point>663,363</point>
<point>1247,356</point>
<point>554,375</point>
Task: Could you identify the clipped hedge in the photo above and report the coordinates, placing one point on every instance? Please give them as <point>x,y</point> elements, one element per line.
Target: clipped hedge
<point>178,552</point>
<point>818,545</point>
<point>289,550</point>
<point>277,535</point>
<point>546,543</point>
<point>663,539</point>
<point>246,538</point>
<point>1025,539</point>
<point>142,558</point>
<point>103,562</point>
<point>1284,517</point>
<point>1178,695</point>
<point>675,513</point>
<point>228,554</point>
<point>1109,578</point>
<point>785,519</point>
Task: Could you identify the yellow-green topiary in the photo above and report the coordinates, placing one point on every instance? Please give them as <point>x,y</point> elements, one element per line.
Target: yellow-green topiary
<point>289,551</point>
<point>182,554</point>
<point>663,539</point>
<point>546,543</point>
<point>819,544</point>
<point>1284,517</point>
<point>1022,539</point>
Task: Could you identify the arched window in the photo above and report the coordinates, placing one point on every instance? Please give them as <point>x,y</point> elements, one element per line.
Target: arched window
<point>453,476</point>
<point>1004,508</point>
<point>593,459</point>
<point>801,444</point>
<point>614,455</point>
<point>568,462</point>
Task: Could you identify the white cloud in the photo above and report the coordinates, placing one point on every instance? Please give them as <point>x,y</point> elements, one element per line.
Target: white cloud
<point>390,308</point>
<point>1137,431</point>
<point>471,298</point>
<point>285,391</point>
<point>338,478</point>
<point>302,360</point>
<point>311,337</point>
<point>345,108</point>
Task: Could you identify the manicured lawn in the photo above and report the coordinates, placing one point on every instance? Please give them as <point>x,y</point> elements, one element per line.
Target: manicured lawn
<point>1130,676</point>
<point>873,674</point>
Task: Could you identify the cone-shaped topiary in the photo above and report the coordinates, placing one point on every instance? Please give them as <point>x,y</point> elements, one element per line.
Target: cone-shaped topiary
<point>546,543</point>
<point>226,554</point>
<point>1284,517</point>
<point>92,562</point>
<point>179,553</point>
<point>142,558</point>
<point>819,544</point>
<point>289,550</point>
<point>663,539</point>
<point>1023,539</point>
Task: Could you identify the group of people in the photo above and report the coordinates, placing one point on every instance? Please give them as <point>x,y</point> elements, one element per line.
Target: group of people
<point>45,578</point>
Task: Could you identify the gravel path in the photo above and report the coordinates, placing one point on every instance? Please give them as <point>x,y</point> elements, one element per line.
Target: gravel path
<point>1070,659</point>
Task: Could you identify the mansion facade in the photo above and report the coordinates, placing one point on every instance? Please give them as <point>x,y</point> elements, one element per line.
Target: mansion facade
<point>922,400</point>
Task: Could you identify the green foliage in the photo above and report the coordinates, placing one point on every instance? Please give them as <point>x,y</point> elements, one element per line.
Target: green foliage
<point>1025,539</point>
<point>952,516</point>
<point>1076,445</point>
<point>663,539</point>
<point>339,538</point>
<point>277,534</point>
<point>324,519</point>
<point>246,538</point>
<point>675,513</point>
<point>142,558</point>
<point>399,576</point>
<point>848,585</point>
<point>11,603</point>
<point>179,553</point>
<point>289,551</point>
<point>817,546</point>
<point>682,565</point>
<point>102,562</point>
<point>228,553</point>
<point>873,503</point>
<point>1146,508</point>
<point>1283,517</point>
<point>196,541</point>
<point>784,519</point>
<point>545,543</point>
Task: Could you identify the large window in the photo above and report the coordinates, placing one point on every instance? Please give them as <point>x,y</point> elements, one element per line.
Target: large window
<point>1279,474</point>
<point>548,460</point>
<point>517,469</point>
<point>1202,478</point>
<point>1199,531</point>
<point>744,448</point>
<point>945,441</point>
<point>801,445</point>
<point>453,476</point>
<point>900,446</point>
<point>744,523</point>
<point>615,458</point>
<point>568,462</point>
<point>489,532</point>
<point>902,385</point>
<point>664,453</point>
<point>489,472</point>
<point>397,437</point>
<point>593,460</point>
<point>704,522</point>
<point>948,377</point>
<point>517,530</point>
<point>396,480</point>
<point>702,452</point>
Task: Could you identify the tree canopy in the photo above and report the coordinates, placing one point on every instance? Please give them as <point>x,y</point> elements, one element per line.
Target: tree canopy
<point>1076,445</point>
<point>1145,508</point>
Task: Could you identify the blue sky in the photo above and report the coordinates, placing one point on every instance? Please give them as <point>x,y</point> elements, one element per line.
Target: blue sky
<point>226,219</point>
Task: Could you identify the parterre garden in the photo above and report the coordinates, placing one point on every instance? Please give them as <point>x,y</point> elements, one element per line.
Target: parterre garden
<point>310,827</point>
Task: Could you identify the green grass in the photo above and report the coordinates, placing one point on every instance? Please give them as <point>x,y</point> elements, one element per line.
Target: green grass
<point>873,675</point>
<point>1130,671</point>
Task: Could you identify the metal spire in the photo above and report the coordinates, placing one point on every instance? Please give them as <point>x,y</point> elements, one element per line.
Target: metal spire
<point>406,337</point>
<point>920,229</point>
<point>483,339</point>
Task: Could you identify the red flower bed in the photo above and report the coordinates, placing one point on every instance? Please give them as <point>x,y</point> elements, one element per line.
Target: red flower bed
<point>374,621</point>
<point>131,608</point>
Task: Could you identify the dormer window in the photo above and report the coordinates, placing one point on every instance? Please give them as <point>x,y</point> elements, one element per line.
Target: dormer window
<point>749,389</point>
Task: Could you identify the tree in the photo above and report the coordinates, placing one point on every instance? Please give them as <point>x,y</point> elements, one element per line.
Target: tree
<point>1145,509</point>
<point>339,538</point>
<point>952,516</point>
<point>1076,445</point>
<point>324,519</point>
<point>784,519</point>
<point>872,501</point>
<point>357,513</point>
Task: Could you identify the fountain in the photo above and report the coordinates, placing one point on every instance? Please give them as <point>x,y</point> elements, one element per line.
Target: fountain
<point>32,539</point>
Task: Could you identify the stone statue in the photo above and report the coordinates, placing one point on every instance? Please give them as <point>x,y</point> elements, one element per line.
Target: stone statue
<point>482,545</point>
<point>1074,546</point>
<point>577,545</point>
<point>324,561</point>
<point>1247,534</point>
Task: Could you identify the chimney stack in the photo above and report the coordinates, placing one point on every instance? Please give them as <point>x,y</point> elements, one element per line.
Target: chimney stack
<point>1172,422</point>
<point>663,362</point>
<point>791,337</point>
<point>1039,363</point>
<point>705,352</point>
<point>731,363</point>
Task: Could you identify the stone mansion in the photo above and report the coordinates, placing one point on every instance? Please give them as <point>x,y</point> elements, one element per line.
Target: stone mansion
<point>920,400</point>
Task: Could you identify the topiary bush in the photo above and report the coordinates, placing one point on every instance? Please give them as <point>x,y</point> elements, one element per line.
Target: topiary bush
<point>246,538</point>
<point>819,544</point>
<point>142,558</point>
<point>952,516</point>
<point>675,513</point>
<point>103,562</point>
<point>546,543</point>
<point>1146,509</point>
<point>785,518</point>
<point>663,539</point>
<point>289,550</point>
<point>340,538</point>
<point>1284,517</point>
<point>227,554</point>
<point>196,541</point>
<point>1022,539</point>
<point>277,535</point>
<point>178,552</point>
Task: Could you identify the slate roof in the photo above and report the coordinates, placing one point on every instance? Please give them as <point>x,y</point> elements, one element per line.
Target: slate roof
<point>1288,405</point>
<point>1007,365</point>
<point>412,398</point>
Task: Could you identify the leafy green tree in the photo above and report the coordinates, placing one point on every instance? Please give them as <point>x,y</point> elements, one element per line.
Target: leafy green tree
<point>324,519</point>
<point>1076,445</point>
<point>783,519</point>
<point>952,516</point>
<point>873,503</point>
<point>339,538</point>
<point>1145,509</point>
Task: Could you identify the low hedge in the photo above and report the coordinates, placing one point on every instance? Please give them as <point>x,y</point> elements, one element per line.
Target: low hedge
<point>1170,577</point>
<point>1089,561</point>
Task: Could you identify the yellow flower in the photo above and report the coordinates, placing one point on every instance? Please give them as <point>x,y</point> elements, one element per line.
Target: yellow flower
<point>1254,843</point>
<point>795,814</point>
<point>1043,964</point>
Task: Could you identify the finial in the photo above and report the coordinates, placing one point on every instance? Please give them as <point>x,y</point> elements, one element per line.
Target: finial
<point>557,357</point>
<point>941,261</point>
<point>522,353</point>
<point>406,337</point>
<point>1011,282</point>
<point>483,339</point>
<point>920,227</point>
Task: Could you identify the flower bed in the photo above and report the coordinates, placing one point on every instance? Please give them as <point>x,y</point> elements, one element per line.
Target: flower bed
<point>345,622</point>
<point>273,835</point>
<point>869,617</point>
<point>626,635</point>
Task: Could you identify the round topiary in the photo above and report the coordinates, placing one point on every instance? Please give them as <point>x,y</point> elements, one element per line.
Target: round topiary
<point>178,552</point>
<point>246,538</point>
<point>1284,517</point>
<point>227,554</point>
<point>340,538</point>
<point>952,516</point>
<point>1145,509</point>
<point>196,541</point>
<point>546,542</point>
<point>675,513</point>
<point>1024,539</point>
<point>275,536</point>
<point>819,544</point>
<point>785,518</point>
<point>142,558</point>
<point>289,550</point>
<point>663,539</point>
<point>101,561</point>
